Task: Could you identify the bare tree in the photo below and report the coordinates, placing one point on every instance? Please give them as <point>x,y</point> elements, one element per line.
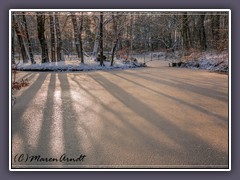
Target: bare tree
<point>97,32</point>
<point>20,39</point>
<point>78,35</point>
<point>116,34</point>
<point>13,45</point>
<point>185,31</point>
<point>30,50</point>
<point>215,25</point>
<point>52,34</point>
<point>96,39</point>
<point>116,31</point>
<point>101,39</point>
<point>59,40</point>
<point>41,36</point>
<point>202,34</point>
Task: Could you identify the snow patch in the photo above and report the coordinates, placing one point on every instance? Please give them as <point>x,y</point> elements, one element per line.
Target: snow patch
<point>210,61</point>
<point>75,65</point>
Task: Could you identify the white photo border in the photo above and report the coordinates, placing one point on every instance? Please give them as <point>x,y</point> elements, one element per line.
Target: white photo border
<point>122,169</point>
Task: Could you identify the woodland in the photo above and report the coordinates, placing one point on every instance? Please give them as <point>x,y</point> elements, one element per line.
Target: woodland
<point>44,37</point>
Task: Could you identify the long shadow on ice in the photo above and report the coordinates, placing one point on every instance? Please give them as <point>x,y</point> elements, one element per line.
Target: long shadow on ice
<point>197,151</point>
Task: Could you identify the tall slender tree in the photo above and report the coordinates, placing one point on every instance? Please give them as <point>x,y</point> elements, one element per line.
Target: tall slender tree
<point>116,33</point>
<point>202,34</point>
<point>116,39</point>
<point>59,40</point>
<point>20,39</point>
<point>96,39</point>
<point>101,39</point>
<point>185,31</point>
<point>52,34</point>
<point>41,36</point>
<point>78,35</point>
<point>215,28</point>
<point>13,45</point>
<point>30,49</point>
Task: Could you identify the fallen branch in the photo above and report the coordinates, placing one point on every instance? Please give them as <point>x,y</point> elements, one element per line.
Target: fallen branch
<point>218,64</point>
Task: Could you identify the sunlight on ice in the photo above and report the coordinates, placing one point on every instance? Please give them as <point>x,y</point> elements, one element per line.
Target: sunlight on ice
<point>56,139</point>
<point>18,144</point>
<point>87,110</point>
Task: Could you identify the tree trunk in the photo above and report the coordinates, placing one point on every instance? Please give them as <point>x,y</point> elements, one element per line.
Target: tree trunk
<point>101,39</point>
<point>215,26</point>
<point>41,36</point>
<point>195,31</point>
<point>20,39</point>
<point>131,31</point>
<point>30,50</point>
<point>115,41</point>
<point>13,45</point>
<point>52,33</point>
<point>96,41</point>
<point>59,40</point>
<point>202,34</point>
<point>76,34</point>
<point>80,38</point>
<point>185,31</point>
<point>113,51</point>
<point>215,29</point>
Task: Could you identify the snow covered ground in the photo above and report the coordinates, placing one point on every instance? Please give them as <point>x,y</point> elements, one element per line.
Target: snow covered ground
<point>212,61</point>
<point>73,64</point>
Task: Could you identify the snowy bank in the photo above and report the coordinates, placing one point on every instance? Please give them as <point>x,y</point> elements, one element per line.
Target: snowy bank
<point>210,61</point>
<point>75,65</point>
